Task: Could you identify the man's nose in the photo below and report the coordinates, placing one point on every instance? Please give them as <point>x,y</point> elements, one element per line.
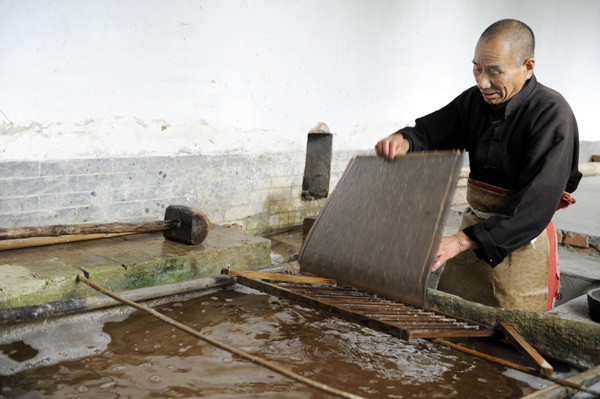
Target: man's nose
<point>483,82</point>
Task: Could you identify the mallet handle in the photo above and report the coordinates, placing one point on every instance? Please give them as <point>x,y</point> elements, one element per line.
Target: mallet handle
<point>91,228</point>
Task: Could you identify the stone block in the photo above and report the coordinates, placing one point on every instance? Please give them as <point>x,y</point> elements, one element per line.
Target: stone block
<point>110,276</point>
<point>135,194</point>
<point>296,218</point>
<point>238,212</point>
<point>281,182</point>
<point>120,181</point>
<point>192,163</point>
<point>296,191</point>
<point>17,284</point>
<point>18,205</point>
<point>215,215</point>
<point>180,188</point>
<point>154,178</point>
<point>218,163</point>
<point>143,164</point>
<point>19,169</point>
<point>46,274</point>
<point>94,183</point>
<point>256,224</point>
<point>75,167</point>
<point>158,272</point>
<point>37,186</point>
<point>222,248</point>
<point>32,283</point>
<point>215,199</point>
<point>278,221</point>
<point>72,200</point>
<point>155,209</point>
<point>39,218</point>
<point>110,212</point>
<point>236,167</point>
<point>141,247</point>
<point>577,240</point>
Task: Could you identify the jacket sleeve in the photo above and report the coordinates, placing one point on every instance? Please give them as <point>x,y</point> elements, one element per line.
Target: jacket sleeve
<point>546,172</point>
<point>440,130</point>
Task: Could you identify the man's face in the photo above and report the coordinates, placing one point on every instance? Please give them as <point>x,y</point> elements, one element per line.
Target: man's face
<point>498,74</point>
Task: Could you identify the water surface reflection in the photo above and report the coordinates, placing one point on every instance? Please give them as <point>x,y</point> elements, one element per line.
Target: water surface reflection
<point>147,358</point>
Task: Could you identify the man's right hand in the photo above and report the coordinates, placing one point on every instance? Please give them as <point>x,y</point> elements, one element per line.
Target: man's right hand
<point>392,146</point>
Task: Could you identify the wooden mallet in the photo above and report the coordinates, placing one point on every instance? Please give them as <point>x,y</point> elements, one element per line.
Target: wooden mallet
<point>182,224</point>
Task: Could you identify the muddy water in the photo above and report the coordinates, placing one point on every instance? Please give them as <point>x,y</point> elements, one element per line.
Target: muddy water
<point>138,356</point>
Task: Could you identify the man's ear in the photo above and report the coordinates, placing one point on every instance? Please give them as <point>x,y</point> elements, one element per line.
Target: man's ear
<point>529,67</point>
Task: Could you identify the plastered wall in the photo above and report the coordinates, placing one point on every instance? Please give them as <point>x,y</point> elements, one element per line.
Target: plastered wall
<point>173,85</point>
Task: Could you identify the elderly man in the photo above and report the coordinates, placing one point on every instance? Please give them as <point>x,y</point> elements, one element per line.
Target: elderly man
<point>523,149</point>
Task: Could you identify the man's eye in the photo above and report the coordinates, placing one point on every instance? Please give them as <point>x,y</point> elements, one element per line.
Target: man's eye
<point>477,69</point>
<point>495,72</point>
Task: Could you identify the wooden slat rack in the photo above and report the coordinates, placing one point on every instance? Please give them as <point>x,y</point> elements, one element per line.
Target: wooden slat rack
<point>404,321</point>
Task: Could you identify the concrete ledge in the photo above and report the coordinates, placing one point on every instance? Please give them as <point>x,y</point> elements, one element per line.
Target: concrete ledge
<point>41,275</point>
<point>578,274</point>
<point>587,378</point>
<point>562,339</point>
<point>14,316</point>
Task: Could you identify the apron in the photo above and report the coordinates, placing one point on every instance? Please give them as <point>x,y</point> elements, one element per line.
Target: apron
<point>527,279</point>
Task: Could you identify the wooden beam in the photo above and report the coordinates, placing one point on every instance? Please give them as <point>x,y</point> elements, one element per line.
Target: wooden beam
<point>280,277</point>
<point>541,365</point>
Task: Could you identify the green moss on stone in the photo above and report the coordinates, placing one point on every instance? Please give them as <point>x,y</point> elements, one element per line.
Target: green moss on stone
<point>563,339</point>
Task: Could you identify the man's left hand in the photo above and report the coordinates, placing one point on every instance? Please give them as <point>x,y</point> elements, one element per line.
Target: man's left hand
<point>452,246</point>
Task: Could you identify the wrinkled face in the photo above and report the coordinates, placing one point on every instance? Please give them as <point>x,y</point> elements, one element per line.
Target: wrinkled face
<point>498,74</point>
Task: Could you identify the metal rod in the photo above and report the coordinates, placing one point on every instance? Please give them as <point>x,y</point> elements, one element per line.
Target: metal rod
<point>516,366</point>
<point>218,344</point>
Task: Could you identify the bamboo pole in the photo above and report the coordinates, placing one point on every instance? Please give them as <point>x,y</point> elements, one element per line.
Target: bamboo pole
<point>221,345</point>
<point>30,242</point>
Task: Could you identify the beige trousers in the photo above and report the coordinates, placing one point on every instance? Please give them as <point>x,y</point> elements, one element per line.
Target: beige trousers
<point>519,282</point>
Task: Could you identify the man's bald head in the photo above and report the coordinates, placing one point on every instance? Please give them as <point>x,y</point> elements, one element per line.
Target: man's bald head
<point>519,35</point>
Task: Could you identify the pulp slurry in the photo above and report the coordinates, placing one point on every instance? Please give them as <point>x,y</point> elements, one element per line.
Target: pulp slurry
<point>124,353</point>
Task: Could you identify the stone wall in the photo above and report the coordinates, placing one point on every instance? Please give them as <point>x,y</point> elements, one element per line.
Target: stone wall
<point>261,192</point>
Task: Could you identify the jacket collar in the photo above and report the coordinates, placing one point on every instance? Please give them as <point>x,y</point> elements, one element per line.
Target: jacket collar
<point>518,99</point>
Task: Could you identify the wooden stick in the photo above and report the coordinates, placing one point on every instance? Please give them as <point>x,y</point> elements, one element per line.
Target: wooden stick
<point>515,366</point>
<point>228,348</point>
<point>90,228</point>
<point>41,241</point>
<point>541,365</point>
<point>279,277</point>
<point>485,356</point>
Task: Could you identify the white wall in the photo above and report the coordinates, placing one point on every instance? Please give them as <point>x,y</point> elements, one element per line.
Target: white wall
<point>133,78</point>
